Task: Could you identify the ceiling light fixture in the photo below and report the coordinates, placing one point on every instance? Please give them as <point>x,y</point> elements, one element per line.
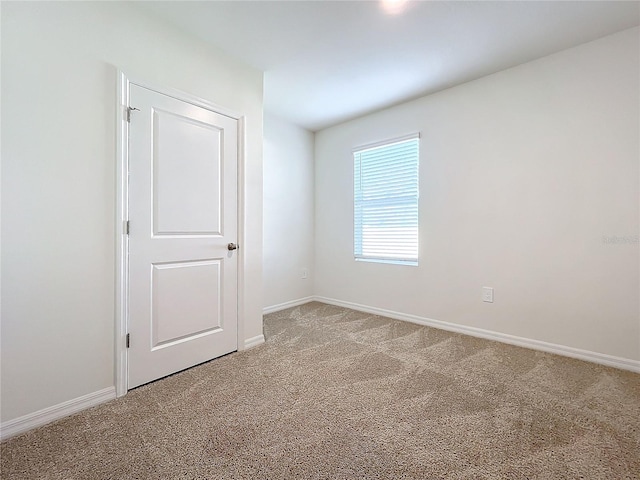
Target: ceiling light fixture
<point>393,7</point>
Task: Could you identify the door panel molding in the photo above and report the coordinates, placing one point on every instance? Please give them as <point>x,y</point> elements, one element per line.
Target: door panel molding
<point>164,335</point>
<point>122,208</point>
<point>204,136</point>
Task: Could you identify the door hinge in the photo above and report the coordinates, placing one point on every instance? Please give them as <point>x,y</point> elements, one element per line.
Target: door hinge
<point>126,227</point>
<point>129,110</point>
<point>128,340</point>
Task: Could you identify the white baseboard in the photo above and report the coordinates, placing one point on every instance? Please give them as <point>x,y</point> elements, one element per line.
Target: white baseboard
<point>42,417</point>
<point>253,342</point>
<point>285,305</point>
<point>56,412</point>
<point>589,356</point>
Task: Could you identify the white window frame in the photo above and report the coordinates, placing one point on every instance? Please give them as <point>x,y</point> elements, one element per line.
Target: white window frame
<point>408,242</point>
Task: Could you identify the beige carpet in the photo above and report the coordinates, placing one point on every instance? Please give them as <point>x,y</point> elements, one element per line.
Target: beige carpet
<point>338,394</point>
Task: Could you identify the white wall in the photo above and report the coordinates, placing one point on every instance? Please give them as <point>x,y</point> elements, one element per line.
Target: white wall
<point>59,77</point>
<point>288,211</point>
<point>522,175</point>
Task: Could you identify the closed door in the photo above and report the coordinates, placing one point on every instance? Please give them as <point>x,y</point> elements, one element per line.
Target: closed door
<point>183,216</point>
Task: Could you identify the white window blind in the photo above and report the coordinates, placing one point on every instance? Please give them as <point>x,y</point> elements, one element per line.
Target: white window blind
<point>386,202</point>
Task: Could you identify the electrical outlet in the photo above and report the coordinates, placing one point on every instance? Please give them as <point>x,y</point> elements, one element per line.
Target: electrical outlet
<point>487,294</point>
<point>304,273</point>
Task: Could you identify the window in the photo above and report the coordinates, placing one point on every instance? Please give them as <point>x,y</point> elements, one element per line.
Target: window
<point>386,202</point>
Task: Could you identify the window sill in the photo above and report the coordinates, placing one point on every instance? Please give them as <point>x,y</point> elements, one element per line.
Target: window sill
<point>410,263</point>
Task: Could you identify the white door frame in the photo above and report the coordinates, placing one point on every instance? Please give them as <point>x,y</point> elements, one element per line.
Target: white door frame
<point>122,209</point>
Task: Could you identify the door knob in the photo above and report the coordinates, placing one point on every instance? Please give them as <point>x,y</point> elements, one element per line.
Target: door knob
<point>232,246</point>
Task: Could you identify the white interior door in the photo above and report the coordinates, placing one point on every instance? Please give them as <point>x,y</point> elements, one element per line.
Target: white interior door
<point>182,214</point>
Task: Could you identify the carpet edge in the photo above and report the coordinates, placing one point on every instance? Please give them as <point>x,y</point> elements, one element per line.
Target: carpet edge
<point>39,418</point>
<point>285,305</point>
<point>563,350</point>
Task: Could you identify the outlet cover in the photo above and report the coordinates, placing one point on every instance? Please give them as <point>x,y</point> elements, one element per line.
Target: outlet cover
<point>487,294</point>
